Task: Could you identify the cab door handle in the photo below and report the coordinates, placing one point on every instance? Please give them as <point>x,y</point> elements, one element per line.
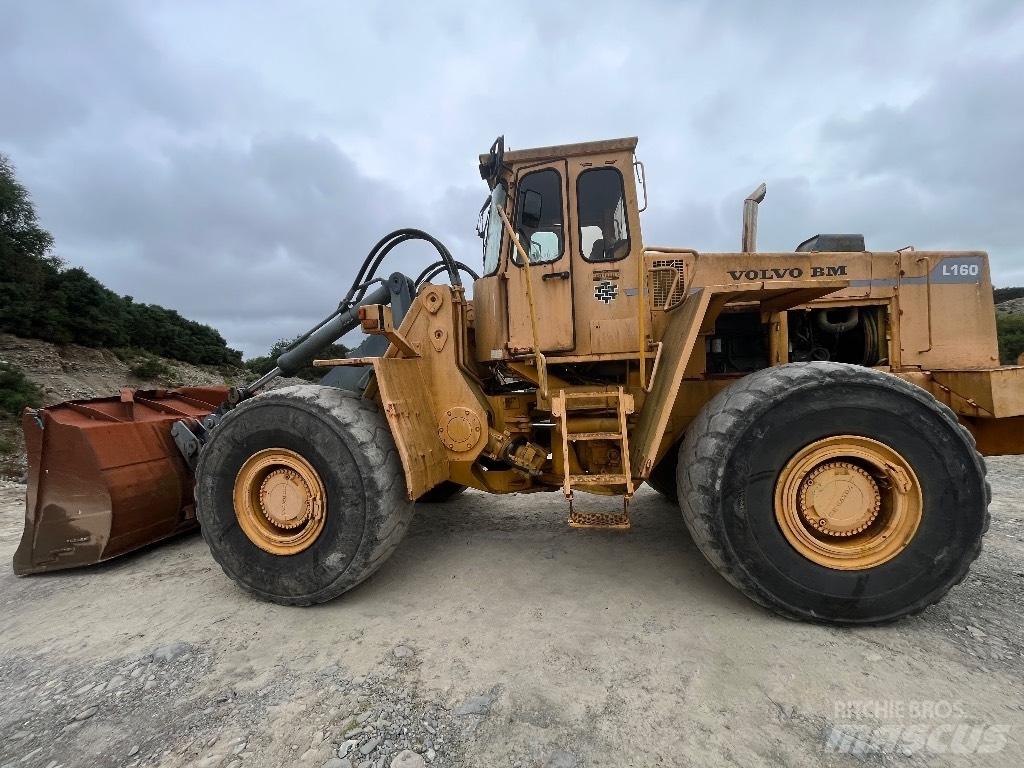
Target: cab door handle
<point>556,275</point>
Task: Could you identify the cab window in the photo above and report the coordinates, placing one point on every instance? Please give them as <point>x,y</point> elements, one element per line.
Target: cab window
<point>492,230</point>
<point>542,236</point>
<point>604,233</point>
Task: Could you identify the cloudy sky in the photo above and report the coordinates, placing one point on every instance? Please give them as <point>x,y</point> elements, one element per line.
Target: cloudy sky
<point>235,160</point>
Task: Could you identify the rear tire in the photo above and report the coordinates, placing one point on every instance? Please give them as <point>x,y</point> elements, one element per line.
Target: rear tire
<point>737,449</point>
<point>663,476</point>
<point>347,443</point>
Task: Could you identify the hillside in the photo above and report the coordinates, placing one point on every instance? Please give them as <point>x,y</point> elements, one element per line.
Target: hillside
<point>41,297</point>
<point>65,372</point>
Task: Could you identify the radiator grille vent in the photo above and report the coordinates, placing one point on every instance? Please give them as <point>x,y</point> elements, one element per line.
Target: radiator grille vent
<point>667,286</point>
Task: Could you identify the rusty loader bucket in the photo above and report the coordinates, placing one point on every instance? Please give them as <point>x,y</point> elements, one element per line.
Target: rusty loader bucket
<point>105,476</point>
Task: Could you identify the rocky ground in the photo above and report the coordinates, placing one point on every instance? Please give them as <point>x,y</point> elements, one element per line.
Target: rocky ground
<point>496,636</point>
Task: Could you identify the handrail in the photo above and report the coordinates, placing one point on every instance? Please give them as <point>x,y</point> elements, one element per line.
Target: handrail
<point>641,290</point>
<point>542,369</point>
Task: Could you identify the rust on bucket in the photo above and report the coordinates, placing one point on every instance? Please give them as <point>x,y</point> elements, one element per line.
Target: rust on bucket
<point>105,477</point>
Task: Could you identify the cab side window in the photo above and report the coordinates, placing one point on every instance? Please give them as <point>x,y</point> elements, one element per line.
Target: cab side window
<point>604,232</point>
<point>543,236</point>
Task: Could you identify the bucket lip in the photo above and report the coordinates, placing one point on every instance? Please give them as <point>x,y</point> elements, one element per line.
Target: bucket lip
<point>134,406</point>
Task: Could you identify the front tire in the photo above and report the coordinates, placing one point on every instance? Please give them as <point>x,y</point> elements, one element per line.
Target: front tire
<point>301,494</point>
<point>442,492</point>
<point>833,492</point>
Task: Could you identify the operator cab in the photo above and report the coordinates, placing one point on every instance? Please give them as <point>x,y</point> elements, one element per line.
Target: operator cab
<point>574,209</point>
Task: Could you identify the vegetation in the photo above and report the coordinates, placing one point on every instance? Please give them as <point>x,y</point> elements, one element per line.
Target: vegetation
<point>265,363</point>
<point>149,367</point>
<point>42,298</point>
<point>1011,337</point>
<point>1005,294</point>
<point>16,391</point>
<point>1009,328</point>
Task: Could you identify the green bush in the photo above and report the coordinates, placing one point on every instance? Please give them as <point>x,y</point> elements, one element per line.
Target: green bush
<point>1010,329</point>
<point>148,367</point>
<point>16,391</point>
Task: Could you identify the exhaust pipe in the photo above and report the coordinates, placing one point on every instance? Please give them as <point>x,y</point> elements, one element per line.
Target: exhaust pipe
<point>749,244</point>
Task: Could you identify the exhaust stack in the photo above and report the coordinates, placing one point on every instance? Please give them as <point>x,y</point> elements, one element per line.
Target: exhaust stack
<point>749,244</point>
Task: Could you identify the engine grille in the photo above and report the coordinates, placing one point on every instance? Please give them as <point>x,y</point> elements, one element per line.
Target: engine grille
<point>667,284</point>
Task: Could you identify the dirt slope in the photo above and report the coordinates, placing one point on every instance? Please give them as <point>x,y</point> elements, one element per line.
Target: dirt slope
<point>71,372</point>
<point>1011,307</point>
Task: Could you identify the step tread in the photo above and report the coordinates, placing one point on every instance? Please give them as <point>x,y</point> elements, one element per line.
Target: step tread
<point>574,436</point>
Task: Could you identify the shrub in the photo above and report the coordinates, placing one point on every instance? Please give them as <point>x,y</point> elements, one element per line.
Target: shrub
<point>16,391</point>
<point>1010,329</point>
<point>149,367</point>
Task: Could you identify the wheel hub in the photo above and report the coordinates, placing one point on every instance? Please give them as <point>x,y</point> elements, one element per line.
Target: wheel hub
<point>280,501</point>
<point>285,498</point>
<point>848,502</point>
<point>839,499</point>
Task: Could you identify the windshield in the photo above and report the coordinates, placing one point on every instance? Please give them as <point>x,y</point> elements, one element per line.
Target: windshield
<point>493,230</point>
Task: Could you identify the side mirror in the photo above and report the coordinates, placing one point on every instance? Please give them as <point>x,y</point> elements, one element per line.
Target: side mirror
<point>530,210</point>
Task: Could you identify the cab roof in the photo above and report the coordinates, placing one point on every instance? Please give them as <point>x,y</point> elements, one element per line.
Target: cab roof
<point>566,150</point>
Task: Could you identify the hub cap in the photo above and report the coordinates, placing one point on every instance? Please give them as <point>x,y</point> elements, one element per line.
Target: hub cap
<point>280,501</point>
<point>848,502</point>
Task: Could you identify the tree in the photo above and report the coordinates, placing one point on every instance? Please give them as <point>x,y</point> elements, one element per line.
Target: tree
<point>40,298</point>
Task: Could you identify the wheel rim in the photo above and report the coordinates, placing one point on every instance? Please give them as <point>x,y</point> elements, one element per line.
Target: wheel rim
<point>848,502</point>
<point>280,501</point>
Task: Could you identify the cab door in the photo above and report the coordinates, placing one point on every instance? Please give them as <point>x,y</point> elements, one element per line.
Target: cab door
<point>540,216</point>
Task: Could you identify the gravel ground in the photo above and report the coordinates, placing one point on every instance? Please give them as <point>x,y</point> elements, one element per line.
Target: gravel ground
<point>497,636</point>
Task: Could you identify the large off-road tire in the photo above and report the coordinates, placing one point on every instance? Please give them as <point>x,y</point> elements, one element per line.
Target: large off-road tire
<point>442,492</point>
<point>736,464</point>
<point>663,476</point>
<point>329,444</point>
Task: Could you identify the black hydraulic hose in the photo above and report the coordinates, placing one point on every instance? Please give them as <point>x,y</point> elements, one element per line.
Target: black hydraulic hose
<point>368,269</point>
<point>438,267</point>
<point>384,246</point>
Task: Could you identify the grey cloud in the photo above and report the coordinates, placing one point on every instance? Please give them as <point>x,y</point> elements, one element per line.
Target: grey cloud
<point>236,163</point>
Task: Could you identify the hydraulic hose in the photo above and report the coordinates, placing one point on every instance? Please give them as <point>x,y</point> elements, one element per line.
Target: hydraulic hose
<point>344,318</point>
<point>438,267</point>
<point>368,270</point>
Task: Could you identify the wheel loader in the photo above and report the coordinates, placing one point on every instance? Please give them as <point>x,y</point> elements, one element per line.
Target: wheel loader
<point>818,415</point>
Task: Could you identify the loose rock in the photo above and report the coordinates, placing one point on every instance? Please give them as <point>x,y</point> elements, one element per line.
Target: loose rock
<point>559,759</point>
<point>86,713</point>
<point>168,653</point>
<point>408,759</point>
<point>474,705</point>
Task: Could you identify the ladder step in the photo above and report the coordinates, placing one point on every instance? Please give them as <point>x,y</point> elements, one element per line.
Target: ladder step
<point>598,479</point>
<point>608,521</point>
<point>590,393</point>
<point>574,436</point>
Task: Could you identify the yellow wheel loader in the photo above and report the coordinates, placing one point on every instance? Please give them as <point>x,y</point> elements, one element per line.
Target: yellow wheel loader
<point>819,415</point>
